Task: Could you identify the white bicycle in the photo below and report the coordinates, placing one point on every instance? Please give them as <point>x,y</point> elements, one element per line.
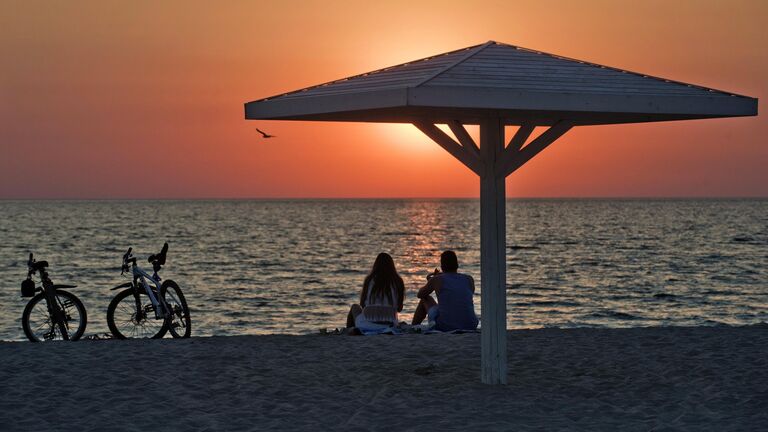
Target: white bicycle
<point>148,308</point>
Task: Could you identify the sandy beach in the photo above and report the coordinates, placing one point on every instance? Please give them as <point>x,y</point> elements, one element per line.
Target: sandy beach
<point>641,379</point>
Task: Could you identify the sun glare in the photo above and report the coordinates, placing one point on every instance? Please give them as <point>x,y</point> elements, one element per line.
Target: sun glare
<point>411,139</point>
<point>407,137</point>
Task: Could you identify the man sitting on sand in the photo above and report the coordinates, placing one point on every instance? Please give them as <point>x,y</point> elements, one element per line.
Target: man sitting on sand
<point>454,308</point>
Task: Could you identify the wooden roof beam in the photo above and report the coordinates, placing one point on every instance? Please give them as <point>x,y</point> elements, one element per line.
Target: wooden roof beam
<point>521,136</point>
<point>463,136</point>
<point>464,155</point>
<point>514,158</point>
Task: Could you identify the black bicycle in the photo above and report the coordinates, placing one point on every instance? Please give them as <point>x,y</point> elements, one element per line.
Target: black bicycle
<point>148,308</point>
<point>52,313</point>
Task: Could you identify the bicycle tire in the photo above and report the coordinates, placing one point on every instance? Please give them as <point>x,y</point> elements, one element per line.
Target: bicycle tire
<point>179,323</point>
<point>130,323</point>
<point>36,330</point>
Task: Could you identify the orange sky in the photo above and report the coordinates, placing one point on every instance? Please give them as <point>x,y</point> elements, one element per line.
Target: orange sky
<point>145,99</point>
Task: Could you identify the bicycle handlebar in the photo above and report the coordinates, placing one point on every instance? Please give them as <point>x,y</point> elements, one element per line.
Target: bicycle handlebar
<point>35,266</point>
<point>157,260</point>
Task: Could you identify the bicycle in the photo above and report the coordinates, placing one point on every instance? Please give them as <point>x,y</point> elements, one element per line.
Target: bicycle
<point>51,313</point>
<point>148,308</point>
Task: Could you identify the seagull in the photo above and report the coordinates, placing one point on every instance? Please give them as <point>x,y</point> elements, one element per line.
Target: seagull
<point>264,134</point>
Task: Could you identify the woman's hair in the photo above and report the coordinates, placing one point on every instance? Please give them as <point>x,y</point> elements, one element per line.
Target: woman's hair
<point>385,277</point>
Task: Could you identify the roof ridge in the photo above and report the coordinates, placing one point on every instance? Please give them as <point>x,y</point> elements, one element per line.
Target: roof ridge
<point>473,50</point>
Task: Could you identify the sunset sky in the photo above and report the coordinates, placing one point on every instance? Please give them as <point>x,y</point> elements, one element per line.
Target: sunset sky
<point>144,99</point>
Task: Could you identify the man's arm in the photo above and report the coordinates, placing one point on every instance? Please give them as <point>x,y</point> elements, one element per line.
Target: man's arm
<point>471,283</point>
<point>427,289</point>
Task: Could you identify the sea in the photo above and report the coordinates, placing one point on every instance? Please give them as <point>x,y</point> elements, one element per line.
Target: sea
<point>296,266</point>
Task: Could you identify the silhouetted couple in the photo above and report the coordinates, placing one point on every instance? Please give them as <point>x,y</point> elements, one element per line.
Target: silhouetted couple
<point>381,298</point>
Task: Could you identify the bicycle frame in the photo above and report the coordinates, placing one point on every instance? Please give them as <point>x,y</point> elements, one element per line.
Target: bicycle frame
<point>143,279</point>
<point>139,275</point>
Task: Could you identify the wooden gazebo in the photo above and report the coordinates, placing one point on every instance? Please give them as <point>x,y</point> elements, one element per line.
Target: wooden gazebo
<point>493,85</point>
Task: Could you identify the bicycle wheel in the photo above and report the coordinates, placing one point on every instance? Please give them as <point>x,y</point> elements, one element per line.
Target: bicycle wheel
<point>38,325</point>
<point>127,321</point>
<point>180,324</point>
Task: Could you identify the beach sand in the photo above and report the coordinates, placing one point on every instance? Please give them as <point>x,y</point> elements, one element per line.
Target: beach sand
<point>641,379</point>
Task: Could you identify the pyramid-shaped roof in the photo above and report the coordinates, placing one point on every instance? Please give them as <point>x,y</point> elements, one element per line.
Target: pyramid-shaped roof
<point>497,79</point>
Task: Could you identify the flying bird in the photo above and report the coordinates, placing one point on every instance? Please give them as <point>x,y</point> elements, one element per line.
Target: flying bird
<point>264,134</point>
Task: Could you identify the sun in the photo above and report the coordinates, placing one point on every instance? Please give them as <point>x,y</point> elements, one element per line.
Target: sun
<point>406,137</point>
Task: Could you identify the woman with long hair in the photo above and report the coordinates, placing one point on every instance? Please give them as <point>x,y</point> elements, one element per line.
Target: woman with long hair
<point>380,299</point>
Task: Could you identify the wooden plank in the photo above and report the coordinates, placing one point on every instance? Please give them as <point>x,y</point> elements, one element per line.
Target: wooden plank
<point>528,61</point>
<point>544,81</point>
<point>367,83</point>
<point>562,77</point>
<point>535,66</point>
<point>520,137</point>
<point>559,73</point>
<point>455,149</point>
<point>463,136</point>
<point>514,159</point>
<point>544,87</point>
<point>361,84</point>
<point>572,90</point>
<point>493,336</point>
<point>351,92</point>
<point>490,57</point>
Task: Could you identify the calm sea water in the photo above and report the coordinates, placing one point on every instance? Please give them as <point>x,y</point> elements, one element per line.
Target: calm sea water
<point>252,267</point>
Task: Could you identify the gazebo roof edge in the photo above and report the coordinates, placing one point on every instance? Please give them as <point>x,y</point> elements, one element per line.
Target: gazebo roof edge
<point>402,105</point>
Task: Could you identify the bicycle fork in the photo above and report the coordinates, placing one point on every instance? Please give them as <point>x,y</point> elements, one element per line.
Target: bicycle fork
<point>56,313</point>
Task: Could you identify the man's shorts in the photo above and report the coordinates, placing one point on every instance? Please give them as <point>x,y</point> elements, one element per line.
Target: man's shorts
<point>432,315</point>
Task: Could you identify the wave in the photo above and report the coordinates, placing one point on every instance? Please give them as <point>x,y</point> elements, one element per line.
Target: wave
<point>615,315</point>
<point>550,303</point>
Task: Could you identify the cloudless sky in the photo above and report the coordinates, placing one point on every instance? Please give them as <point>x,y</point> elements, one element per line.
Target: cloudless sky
<point>144,99</point>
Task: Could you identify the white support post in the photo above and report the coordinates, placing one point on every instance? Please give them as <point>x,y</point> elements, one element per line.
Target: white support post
<point>493,264</point>
<point>493,164</point>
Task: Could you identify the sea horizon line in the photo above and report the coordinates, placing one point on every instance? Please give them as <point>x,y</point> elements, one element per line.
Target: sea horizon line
<point>425,198</point>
